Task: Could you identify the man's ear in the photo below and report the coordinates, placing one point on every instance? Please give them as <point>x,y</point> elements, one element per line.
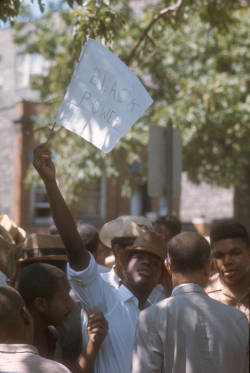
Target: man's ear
<point>26,316</point>
<point>40,304</point>
<point>167,266</point>
<point>207,267</point>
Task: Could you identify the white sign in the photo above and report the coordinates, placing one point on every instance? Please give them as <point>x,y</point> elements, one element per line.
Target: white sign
<point>104,98</point>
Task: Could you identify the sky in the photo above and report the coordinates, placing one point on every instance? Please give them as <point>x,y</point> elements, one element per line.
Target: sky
<point>34,7</point>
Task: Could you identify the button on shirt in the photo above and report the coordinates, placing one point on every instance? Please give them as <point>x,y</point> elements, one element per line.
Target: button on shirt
<point>120,308</point>
<point>24,358</point>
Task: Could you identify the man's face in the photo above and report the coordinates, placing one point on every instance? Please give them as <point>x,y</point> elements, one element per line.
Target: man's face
<point>144,269</point>
<point>60,305</point>
<point>101,253</point>
<point>164,232</point>
<point>232,259</point>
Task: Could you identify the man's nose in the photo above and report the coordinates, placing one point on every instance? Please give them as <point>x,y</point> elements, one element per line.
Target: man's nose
<point>146,259</point>
<point>228,259</point>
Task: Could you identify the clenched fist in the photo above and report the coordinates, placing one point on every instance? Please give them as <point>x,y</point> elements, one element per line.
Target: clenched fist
<point>43,163</point>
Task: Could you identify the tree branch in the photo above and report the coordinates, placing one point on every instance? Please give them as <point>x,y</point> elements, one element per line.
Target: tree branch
<point>173,8</point>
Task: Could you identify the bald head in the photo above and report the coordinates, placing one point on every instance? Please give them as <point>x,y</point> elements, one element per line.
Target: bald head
<point>187,252</point>
<point>11,305</point>
<point>89,236</point>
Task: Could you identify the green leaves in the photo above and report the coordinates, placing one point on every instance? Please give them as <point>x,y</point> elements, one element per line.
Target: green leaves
<point>9,9</point>
<point>193,59</point>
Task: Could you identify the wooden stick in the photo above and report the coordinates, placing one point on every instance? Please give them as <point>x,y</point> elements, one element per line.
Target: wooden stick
<point>51,133</point>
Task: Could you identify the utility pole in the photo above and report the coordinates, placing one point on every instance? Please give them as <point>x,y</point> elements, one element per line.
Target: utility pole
<point>170,167</point>
<point>164,165</point>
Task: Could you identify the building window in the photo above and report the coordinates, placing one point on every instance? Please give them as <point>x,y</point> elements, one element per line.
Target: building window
<point>27,65</point>
<point>88,208</point>
<point>39,207</point>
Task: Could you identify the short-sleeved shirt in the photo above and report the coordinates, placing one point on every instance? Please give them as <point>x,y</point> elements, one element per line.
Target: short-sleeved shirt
<point>120,308</point>
<point>217,290</point>
<point>24,358</point>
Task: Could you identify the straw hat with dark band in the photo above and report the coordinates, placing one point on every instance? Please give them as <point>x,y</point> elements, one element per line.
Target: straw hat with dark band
<point>43,244</point>
<point>123,226</point>
<point>42,248</point>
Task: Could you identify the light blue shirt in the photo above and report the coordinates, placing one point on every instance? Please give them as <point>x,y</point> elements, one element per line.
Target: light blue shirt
<point>120,308</point>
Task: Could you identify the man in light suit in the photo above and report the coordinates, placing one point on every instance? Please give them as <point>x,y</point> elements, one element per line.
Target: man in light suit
<point>189,332</point>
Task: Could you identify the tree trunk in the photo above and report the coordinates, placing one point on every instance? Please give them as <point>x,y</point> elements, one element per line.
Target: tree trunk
<point>242,203</point>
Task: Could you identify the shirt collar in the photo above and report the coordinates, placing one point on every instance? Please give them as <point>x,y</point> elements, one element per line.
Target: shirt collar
<point>175,289</point>
<point>219,286</point>
<point>189,287</point>
<point>17,348</point>
<point>126,294</point>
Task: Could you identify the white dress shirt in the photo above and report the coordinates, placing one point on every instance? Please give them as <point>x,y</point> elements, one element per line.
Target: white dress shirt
<point>24,358</point>
<point>102,269</point>
<point>120,308</point>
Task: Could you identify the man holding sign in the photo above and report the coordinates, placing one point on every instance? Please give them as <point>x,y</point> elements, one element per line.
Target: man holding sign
<point>102,102</point>
<point>120,306</point>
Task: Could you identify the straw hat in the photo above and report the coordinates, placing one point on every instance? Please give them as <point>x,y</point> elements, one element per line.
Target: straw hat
<point>43,244</point>
<point>123,226</point>
<point>18,234</point>
<point>7,257</point>
<point>42,248</point>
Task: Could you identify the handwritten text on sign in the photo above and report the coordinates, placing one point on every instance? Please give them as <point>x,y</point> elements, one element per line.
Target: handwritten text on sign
<point>104,98</point>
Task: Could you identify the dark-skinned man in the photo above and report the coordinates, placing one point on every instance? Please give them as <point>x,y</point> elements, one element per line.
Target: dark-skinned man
<point>17,350</point>
<point>230,244</point>
<point>120,306</point>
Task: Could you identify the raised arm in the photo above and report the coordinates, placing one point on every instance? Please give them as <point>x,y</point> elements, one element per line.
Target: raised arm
<point>77,254</point>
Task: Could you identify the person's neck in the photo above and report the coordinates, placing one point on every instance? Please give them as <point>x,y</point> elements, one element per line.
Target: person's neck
<point>41,335</point>
<point>194,277</point>
<point>140,292</point>
<point>18,339</point>
<point>118,271</point>
<point>21,335</point>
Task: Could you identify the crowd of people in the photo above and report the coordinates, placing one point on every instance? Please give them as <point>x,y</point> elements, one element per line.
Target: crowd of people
<point>132,297</point>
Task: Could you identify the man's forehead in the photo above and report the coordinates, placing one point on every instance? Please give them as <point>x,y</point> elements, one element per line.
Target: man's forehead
<point>229,244</point>
<point>143,253</point>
